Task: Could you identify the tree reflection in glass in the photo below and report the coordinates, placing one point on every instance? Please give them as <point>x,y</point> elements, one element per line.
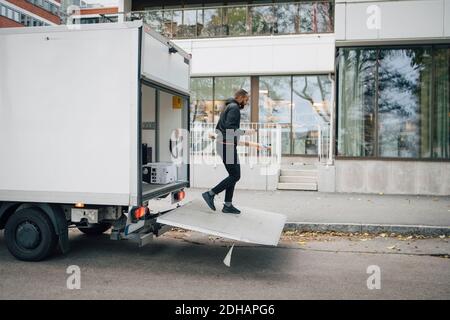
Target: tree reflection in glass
<point>404,102</point>
<point>275,105</point>
<point>311,111</point>
<point>356,114</point>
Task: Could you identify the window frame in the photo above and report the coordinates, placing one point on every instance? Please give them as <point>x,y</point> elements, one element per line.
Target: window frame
<point>376,155</point>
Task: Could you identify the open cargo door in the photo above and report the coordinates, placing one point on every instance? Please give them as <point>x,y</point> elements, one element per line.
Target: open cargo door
<point>164,114</point>
<point>252,225</point>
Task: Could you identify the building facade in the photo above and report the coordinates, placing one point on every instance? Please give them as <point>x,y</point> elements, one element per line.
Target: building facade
<point>370,78</point>
<point>29,13</point>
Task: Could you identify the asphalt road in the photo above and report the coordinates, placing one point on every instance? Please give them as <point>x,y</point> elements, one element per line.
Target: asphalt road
<point>189,266</point>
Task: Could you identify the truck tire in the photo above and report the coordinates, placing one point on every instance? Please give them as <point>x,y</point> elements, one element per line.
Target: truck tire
<point>96,230</point>
<point>30,235</point>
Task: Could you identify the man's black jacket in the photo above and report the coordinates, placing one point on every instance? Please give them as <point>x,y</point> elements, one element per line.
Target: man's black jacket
<point>230,119</point>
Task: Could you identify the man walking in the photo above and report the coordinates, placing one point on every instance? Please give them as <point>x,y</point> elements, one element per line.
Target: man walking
<point>228,134</point>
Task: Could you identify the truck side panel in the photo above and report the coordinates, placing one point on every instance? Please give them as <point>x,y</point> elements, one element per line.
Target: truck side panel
<point>68,115</point>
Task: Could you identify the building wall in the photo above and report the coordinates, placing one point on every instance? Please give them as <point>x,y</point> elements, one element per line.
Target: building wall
<point>398,20</point>
<point>374,23</point>
<point>393,177</point>
<point>36,10</point>
<point>290,54</point>
<point>8,23</point>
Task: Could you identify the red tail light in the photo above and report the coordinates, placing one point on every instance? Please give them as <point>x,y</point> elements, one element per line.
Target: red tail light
<point>140,212</point>
<point>180,195</point>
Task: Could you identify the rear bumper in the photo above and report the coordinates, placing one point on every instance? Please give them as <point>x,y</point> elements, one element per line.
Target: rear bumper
<point>152,191</point>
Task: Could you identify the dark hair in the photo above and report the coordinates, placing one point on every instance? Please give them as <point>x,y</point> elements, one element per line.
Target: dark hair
<point>241,93</point>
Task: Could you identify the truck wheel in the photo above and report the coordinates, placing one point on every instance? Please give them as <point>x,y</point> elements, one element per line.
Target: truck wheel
<point>30,235</point>
<point>96,229</point>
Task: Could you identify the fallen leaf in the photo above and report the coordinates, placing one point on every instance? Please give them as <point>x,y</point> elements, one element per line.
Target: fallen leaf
<point>442,237</point>
<point>302,243</point>
<point>391,248</point>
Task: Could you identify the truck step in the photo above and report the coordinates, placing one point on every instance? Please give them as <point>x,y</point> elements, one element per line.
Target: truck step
<point>298,179</point>
<point>295,172</point>
<point>297,186</point>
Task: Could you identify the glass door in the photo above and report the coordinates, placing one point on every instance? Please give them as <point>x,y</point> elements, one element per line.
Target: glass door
<point>311,97</point>
<point>275,106</point>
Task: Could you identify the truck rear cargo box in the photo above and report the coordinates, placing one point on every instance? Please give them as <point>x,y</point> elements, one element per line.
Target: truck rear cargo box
<point>76,105</point>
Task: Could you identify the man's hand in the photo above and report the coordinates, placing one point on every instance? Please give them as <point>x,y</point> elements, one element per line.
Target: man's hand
<point>263,147</point>
<point>258,146</point>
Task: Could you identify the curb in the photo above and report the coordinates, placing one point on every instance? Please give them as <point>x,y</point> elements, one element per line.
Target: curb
<point>368,228</point>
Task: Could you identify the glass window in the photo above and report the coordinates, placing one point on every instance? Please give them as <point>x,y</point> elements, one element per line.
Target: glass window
<point>167,23</point>
<point>262,18</point>
<point>275,105</point>
<point>3,10</point>
<point>177,21</point>
<point>224,88</point>
<point>9,13</point>
<point>189,27</point>
<point>16,16</point>
<point>404,102</point>
<point>311,111</point>
<point>202,100</point>
<point>212,25</point>
<point>441,132</point>
<point>287,18</point>
<point>316,17</point>
<point>236,21</point>
<point>155,20</point>
<point>356,123</point>
<point>324,14</point>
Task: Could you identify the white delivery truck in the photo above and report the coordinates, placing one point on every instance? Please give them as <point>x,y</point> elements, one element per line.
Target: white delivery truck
<point>84,113</point>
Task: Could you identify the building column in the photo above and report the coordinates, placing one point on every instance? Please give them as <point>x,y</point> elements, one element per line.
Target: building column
<point>254,91</point>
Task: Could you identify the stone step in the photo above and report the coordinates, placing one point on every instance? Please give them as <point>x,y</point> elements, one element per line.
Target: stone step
<point>298,179</point>
<point>297,186</point>
<point>294,172</point>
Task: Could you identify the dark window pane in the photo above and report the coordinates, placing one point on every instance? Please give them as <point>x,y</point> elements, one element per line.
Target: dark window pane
<point>224,88</point>
<point>404,103</point>
<point>441,134</point>
<point>262,18</point>
<point>275,105</point>
<point>356,122</point>
<point>311,111</point>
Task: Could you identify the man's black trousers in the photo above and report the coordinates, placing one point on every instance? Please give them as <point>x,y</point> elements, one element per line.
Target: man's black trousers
<point>228,153</point>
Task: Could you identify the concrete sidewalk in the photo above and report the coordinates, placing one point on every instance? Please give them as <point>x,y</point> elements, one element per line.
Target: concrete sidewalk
<point>316,211</point>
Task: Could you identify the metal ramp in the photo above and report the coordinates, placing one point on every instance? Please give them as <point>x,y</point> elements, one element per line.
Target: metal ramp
<point>252,225</point>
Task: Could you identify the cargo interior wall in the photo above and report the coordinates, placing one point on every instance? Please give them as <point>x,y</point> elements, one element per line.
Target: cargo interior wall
<point>171,117</point>
<point>162,117</point>
<point>149,122</point>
